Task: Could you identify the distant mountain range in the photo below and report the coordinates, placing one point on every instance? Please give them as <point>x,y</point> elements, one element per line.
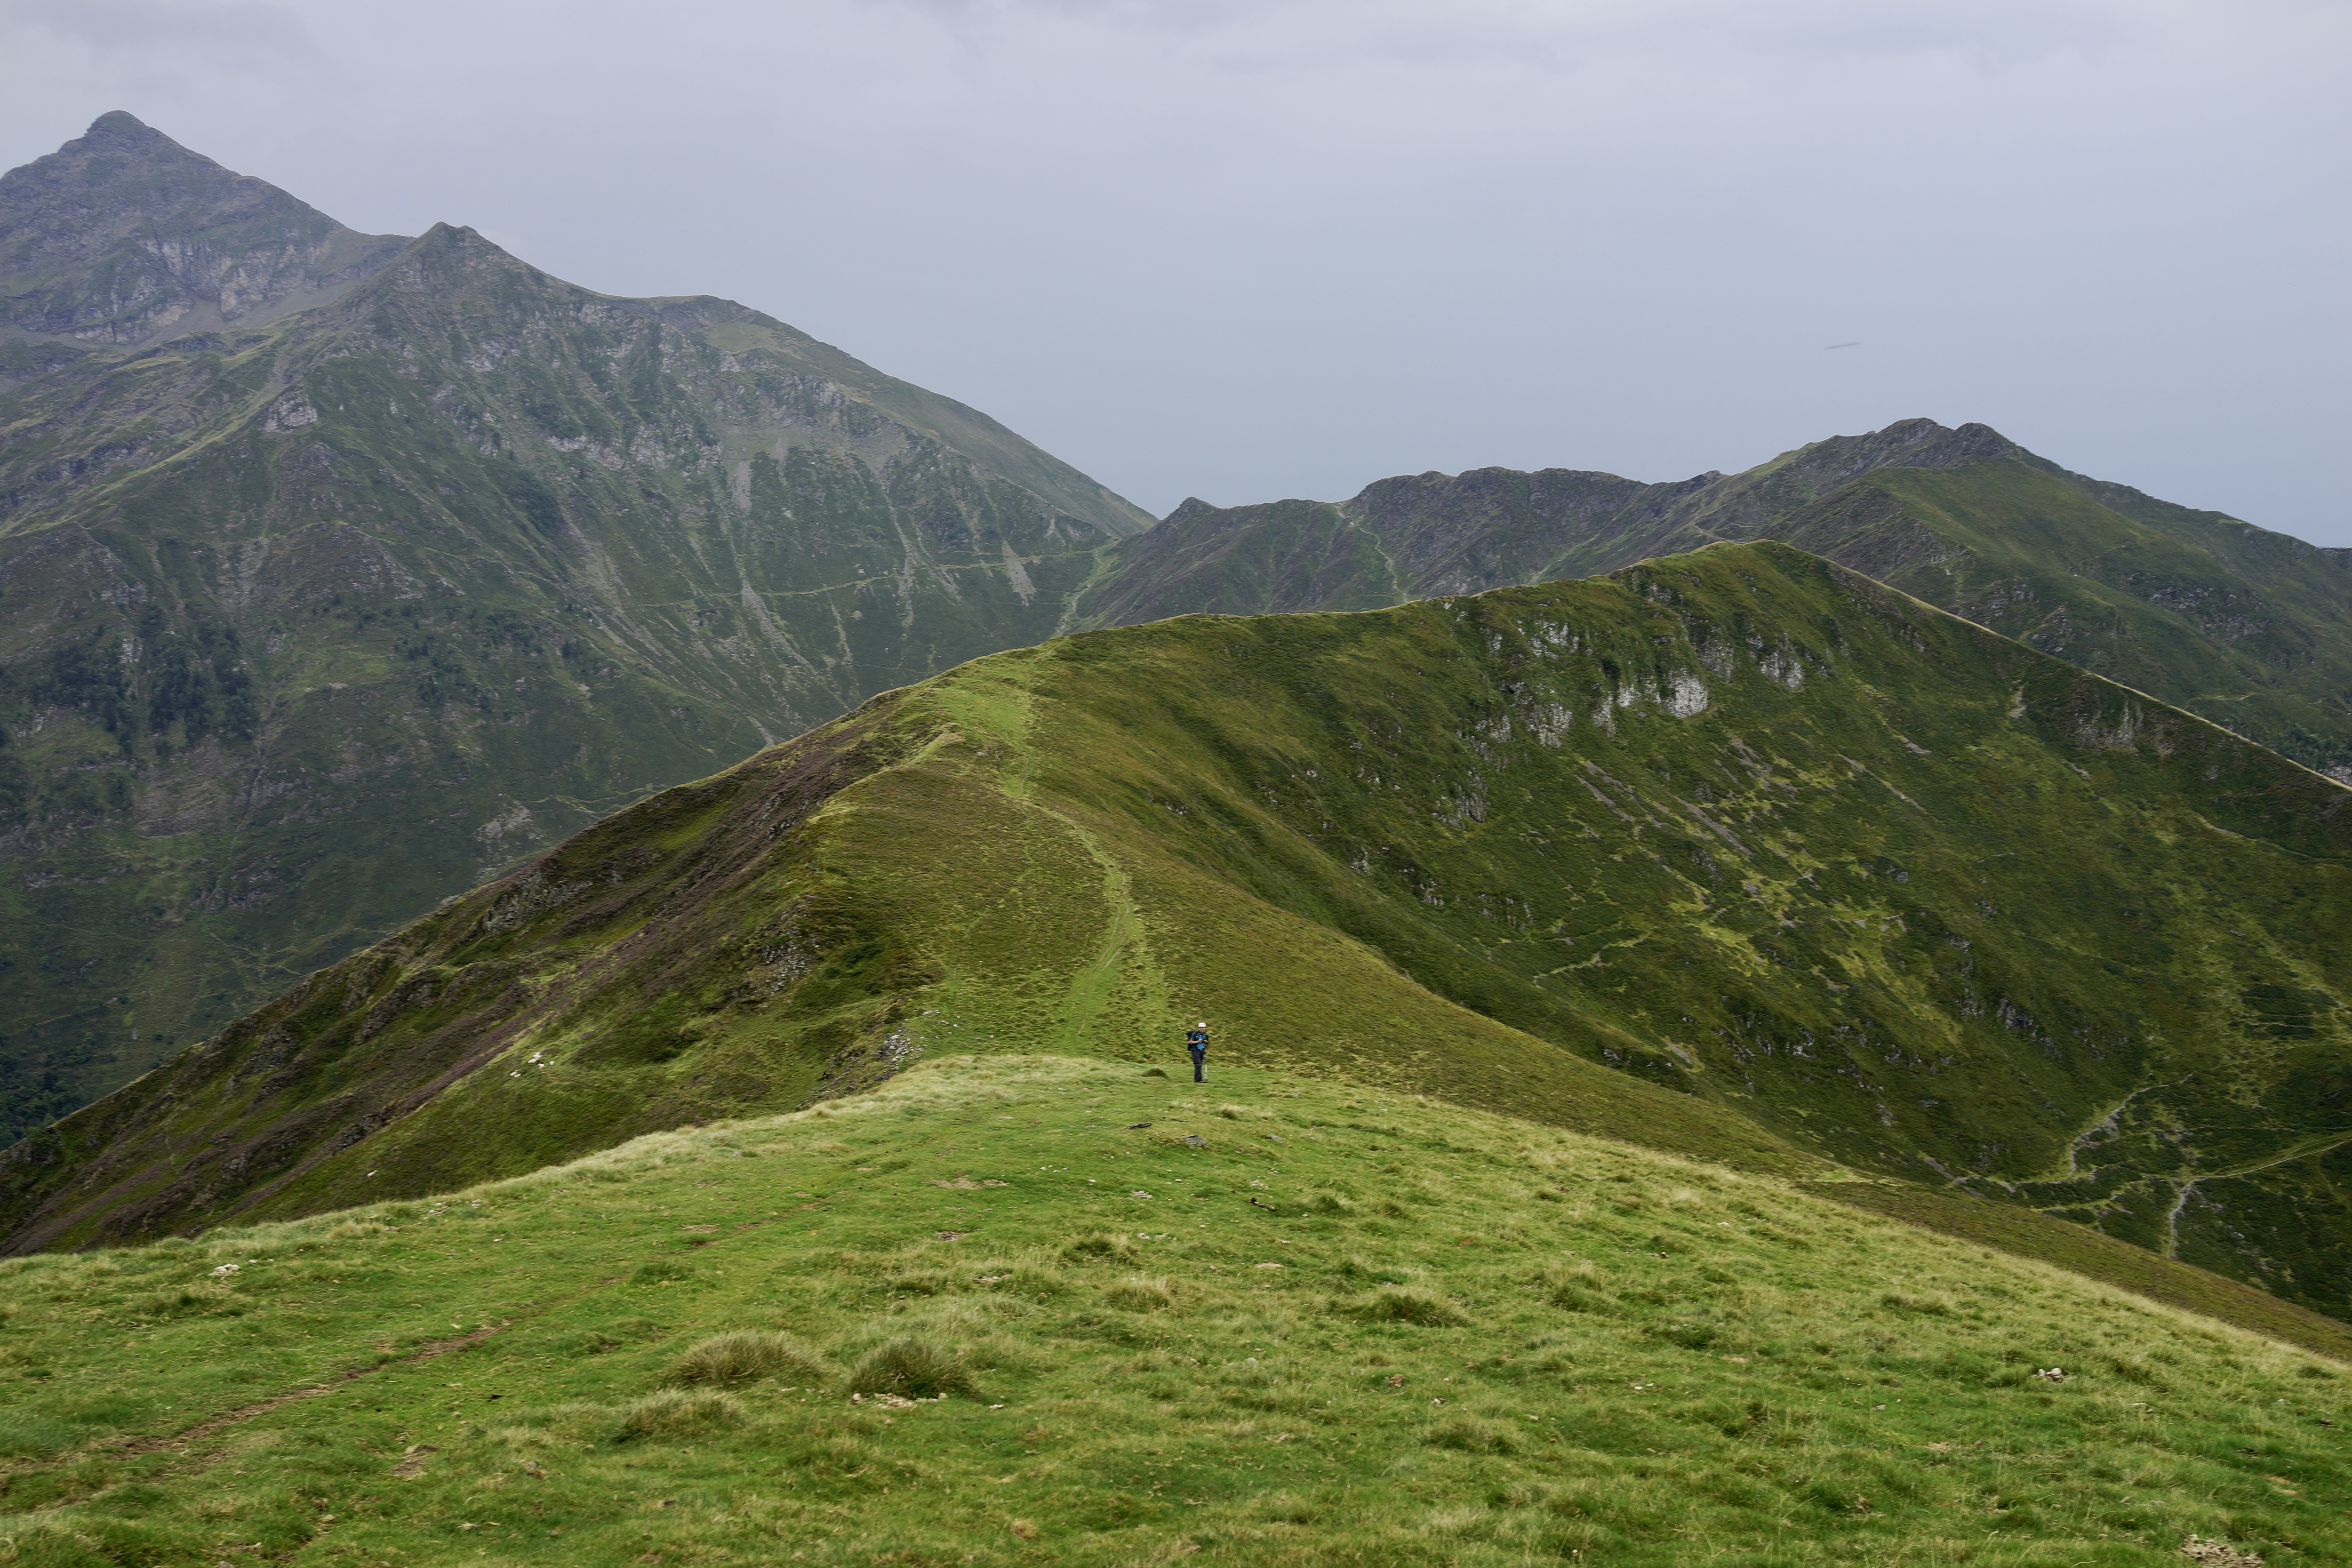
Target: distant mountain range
<point>2250,628</point>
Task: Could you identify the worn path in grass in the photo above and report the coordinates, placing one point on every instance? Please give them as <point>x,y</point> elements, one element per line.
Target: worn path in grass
<point>1343,1326</point>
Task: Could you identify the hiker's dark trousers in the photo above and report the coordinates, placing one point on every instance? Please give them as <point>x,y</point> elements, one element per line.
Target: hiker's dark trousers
<point>1197,1057</point>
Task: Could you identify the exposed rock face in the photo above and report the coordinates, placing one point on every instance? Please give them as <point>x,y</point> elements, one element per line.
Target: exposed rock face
<point>125,236</point>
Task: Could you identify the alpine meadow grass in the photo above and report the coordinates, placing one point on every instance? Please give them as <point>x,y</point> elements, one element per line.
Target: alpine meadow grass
<point>1572,1351</point>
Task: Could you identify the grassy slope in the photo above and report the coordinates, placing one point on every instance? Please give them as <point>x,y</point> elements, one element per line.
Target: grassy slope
<point>1348,1327</point>
<point>2250,630</point>
<point>309,629</point>
<point>2078,1250</point>
<point>1899,893</point>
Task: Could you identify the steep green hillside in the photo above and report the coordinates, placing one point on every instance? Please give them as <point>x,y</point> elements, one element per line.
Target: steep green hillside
<point>2250,628</point>
<point>1035,1310</point>
<point>1831,873</point>
<point>304,630</point>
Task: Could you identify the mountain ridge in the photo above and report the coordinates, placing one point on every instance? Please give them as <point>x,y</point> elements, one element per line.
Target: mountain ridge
<point>1737,853</point>
<point>2250,628</point>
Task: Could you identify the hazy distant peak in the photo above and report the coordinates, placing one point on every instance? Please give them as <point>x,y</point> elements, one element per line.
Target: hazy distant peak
<point>125,236</point>
<point>457,241</point>
<point>116,134</point>
<point>120,127</point>
<point>1917,443</point>
<point>123,172</point>
<point>458,235</point>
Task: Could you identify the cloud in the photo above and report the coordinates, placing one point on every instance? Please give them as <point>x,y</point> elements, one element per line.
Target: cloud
<point>249,34</point>
<point>1570,33</point>
<point>1287,247</point>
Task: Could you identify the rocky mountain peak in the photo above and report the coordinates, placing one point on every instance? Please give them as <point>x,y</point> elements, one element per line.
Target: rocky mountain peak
<point>120,128</point>
<point>125,236</point>
<point>1189,508</point>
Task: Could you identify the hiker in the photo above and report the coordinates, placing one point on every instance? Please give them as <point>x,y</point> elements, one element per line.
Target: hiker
<point>1196,1040</point>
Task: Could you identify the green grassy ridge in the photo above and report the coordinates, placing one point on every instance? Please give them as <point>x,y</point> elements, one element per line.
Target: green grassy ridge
<point>675,926</point>
<point>1901,895</point>
<point>313,626</point>
<point>1437,1336</point>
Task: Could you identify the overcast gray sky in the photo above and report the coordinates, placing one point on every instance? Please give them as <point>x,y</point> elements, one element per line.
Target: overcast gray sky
<point>1282,248</point>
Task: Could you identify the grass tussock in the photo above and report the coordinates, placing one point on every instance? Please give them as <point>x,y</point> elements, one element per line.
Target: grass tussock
<point>186,1300</point>
<point>678,1413</point>
<point>1468,1434</point>
<point>1022,1280</point>
<point>1576,1287</point>
<point>1408,1304</point>
<point>912,1368</point>
<point>32,1437</point>
<point>1688,1333</point>
<point>1100,1247</point>
<point>1571,1296</point>
<point>1141,1293</point>
<point>747,1355</point>
<point>922,1282</point>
